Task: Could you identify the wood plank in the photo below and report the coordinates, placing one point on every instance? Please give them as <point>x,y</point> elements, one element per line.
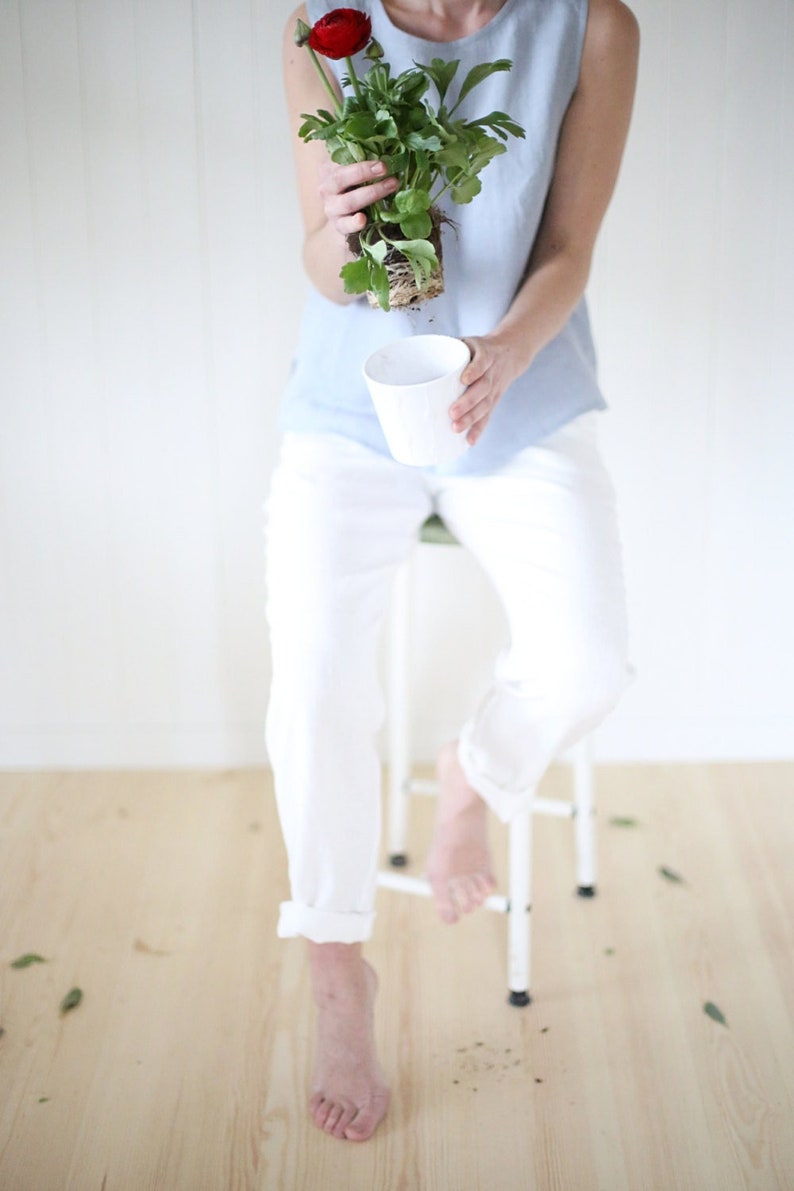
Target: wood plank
<point>186,1065</point>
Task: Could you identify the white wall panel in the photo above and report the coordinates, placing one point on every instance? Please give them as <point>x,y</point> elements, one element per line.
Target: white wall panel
<point>150,291</point>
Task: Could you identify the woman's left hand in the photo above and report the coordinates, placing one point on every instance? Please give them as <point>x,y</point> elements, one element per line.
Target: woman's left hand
<point>489,372</point>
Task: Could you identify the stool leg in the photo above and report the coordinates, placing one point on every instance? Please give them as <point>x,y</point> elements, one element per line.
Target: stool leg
<point>399,744</point>
<point>584,822</point>
<point>519,912</point>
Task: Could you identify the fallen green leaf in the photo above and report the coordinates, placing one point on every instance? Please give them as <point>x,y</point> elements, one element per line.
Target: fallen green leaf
<point>716,1014</point>
<point>669,874</point>
<point>25,961</point>
<point>619,821</point>
<point>71,1000</point>
<point>43,1099</point>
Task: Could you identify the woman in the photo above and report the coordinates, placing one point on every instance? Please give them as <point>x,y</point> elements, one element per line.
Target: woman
<point>529,498</point>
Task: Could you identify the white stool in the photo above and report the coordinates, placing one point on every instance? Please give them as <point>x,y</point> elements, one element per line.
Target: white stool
<point>517,903</point>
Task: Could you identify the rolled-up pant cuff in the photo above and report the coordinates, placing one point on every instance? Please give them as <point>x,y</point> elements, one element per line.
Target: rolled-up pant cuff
<point>323,926</point>
<point>505,804</point>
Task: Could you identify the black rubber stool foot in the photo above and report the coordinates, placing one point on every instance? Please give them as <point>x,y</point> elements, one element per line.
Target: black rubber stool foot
<point>586,891</point>
<point>521,999</point>
<point>398,860</point>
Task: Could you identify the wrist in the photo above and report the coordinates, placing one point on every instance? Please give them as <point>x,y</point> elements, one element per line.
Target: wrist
<point>513,344</point>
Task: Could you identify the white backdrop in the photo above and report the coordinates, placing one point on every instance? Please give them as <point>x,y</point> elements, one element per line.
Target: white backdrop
<point>150,291</point>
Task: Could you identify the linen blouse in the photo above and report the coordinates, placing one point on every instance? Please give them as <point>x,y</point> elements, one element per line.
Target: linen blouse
<point>485,255</point>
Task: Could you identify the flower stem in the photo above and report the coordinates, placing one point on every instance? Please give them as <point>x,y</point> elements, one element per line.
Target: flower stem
<point>325,82</point>
<point>351,70</point>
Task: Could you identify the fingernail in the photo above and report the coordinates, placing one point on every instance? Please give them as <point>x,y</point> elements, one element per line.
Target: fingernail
<point>378,167</point>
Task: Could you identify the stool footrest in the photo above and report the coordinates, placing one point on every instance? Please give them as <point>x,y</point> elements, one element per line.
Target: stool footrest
<point>402,883</point>
<point>417,785</point>
<point>554,806</point>
<point>559,807</point>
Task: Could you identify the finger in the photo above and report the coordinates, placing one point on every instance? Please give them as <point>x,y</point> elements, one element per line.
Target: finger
<point>481,410</point>
<point>347,226</point>
<point>345,177</point>
<point>348,203</point>
<point>474,395</point>
<point>474,434</point>
<point>479,363</point>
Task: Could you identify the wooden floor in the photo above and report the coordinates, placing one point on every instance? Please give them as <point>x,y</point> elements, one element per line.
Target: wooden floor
<point>185,1067</point>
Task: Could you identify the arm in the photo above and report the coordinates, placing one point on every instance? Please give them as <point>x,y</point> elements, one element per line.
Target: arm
<point>592,140</point>
<point>332,197</point>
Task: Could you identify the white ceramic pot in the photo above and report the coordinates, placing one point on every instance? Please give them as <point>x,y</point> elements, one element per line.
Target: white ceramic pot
<point>413,382</point>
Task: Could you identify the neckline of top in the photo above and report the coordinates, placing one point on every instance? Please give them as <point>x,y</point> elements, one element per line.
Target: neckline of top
<point>469,39</point>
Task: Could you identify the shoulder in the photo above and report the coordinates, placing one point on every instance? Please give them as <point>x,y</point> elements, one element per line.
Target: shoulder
<point>612,29</point>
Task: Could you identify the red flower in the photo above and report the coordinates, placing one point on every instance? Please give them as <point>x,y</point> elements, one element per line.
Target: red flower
<point>341,33</point>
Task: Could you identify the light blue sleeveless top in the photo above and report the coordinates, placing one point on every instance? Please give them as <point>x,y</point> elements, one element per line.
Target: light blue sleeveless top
<point>484,261</point>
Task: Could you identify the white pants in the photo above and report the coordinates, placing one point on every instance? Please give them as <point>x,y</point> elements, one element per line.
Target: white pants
<point>341,519</point>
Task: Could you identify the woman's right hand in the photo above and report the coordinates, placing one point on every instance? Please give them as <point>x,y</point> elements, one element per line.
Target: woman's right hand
<point>347,190</point>
<point>333,198</point>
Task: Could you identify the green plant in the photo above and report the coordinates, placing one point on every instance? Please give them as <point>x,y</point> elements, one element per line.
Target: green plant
<point>431,149</point>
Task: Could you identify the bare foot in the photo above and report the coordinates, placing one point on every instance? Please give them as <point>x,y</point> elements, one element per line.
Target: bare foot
<point>459,864</point>
<point>349,1092</point>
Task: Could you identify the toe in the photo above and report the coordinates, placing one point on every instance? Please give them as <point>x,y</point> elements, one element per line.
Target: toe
<point>445,902</point>
<point>320,1108</point>
<point>358,1132</point>
<point>470,893</point>
<point>333,1118</point>
<point>345,1121</point>
<point>362,1126</point>
<point>461,892</point>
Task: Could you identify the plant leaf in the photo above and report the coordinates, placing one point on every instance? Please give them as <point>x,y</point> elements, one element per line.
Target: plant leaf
<point>453,155</point>
<point>419,140</point>
<point>71,1000</point>
<point>411,85</point>
<point>380,285</point>
<point>671,875</point>
<point>488,147</point>
<point>375,251</point>
<point>478,73</point>
<point>356,275</point>
<point>340,154</point>
<point>315,127</point>
<point>466,190</point>
<point>501,123</point>
<point>442,74</point>
<point>363,125</point>
<point>619,821</point>
<point>412,202</point>
<point>416,227</point>
<point>421,256</point>
<point>421,249</point>
<point>716,1014</point>
<point>26,961</point>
